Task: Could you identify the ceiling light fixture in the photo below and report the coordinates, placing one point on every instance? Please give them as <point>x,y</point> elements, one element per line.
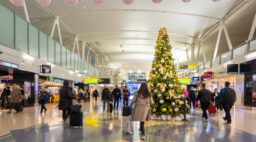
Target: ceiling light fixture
<point>72,2</point>
<point>128,2</point>
<point>99,1</point>
<point>186,0</point>
<point>44,2</point>
<point>157,1</point>
<point>18,2</point>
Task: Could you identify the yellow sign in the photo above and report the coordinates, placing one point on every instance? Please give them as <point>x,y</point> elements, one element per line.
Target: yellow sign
<point>192,67</point>
<point>91,81</point>
<point>184,80</point>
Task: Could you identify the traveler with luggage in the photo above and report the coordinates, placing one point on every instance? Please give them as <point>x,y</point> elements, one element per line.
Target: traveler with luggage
<point>192,97</point>
<point>117,97</point>
<point>126,94</point>
<point>104,97</point>
<point>15,99</point>
<point>204,98</point>
<point>227,99</point>
<point>142,109</point>
<point>42,95</point>
<point>95,94</point>
<point>66,96</point>
<point>110,103</point>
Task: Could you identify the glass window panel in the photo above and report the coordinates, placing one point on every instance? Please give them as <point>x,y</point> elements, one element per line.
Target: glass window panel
<point>51,49</point>
<point>240,51</point>
<point>58,54</point>
<point>64,56</point>
<point>68,59</point>
<point>33,41</point>
<point>72,62</point>
<point>21,34</point>
<point>226,57</point>
<point>43,46</point>
<point>216,61</point>
<point>6,27</point>
<point>253,45</point>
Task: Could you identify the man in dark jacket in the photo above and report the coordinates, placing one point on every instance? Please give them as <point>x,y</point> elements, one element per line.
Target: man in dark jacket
<point>117,96</point>
<point>227,98</point>
<point>105,97</point>
<point>66,97</point>
<point>204,98</point>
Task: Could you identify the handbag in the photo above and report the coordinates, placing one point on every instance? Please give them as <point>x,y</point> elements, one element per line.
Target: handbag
<point>211,106</point>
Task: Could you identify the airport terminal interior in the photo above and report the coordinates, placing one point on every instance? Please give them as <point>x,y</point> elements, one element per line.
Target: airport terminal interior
<point>127,70</point>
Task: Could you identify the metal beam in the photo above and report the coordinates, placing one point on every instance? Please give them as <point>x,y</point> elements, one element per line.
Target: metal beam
<point>187,57</point>
<point>204,54</point>
<point>217,42</point>
<point>252,31</point>
<point>26,12</point>
<point>53,27</point>
<point>198,51</point>
<point>227,37</point>
<point>59,32</point>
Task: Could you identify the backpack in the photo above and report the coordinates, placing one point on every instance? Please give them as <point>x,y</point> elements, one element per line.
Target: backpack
<point>229,97</point>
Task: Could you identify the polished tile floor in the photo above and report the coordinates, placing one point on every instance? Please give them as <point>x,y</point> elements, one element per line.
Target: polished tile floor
<point>30,126</point>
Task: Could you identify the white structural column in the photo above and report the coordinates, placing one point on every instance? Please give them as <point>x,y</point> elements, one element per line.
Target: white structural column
<point>26,12</point>
<point>252,31</point>
<point>217,43</point>
<point>198,51</point>
<point>56,23</point>
<point>227,37</point>
<point>192,59</point>
<point>76,46</point>
<point>187,57</point>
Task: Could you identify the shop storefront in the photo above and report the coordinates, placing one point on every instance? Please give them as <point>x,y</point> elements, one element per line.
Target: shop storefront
<point>10,74</point>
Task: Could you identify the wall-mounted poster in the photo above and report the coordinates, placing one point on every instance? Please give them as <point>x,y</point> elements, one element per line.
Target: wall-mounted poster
<point>27,89</point>
<point>92,60</point>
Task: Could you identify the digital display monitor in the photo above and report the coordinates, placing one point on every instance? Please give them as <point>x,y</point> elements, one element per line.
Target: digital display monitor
<point>45,69</point>
<point>232,68</point>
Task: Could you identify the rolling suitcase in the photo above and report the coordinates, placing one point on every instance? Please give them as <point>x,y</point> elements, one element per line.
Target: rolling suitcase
<point>76,116</point>
<point>127,124</point>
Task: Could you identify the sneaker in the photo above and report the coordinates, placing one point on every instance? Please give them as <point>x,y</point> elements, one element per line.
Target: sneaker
<point>142,137</point>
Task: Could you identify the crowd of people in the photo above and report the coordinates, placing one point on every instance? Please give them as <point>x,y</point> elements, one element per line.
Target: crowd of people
<point>212,101</point>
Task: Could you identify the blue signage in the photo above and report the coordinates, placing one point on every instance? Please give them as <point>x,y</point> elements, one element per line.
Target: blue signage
<point>133,86</point>
<point>55,80</point>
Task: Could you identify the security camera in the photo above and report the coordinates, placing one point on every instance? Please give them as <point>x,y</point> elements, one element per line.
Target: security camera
<point>1,52</point>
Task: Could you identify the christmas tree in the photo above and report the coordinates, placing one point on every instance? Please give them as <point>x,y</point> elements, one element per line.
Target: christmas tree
<point>163,83</point>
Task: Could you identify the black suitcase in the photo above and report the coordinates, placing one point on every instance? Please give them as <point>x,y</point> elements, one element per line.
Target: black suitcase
<point>76,120</point>
<point>75,109</point>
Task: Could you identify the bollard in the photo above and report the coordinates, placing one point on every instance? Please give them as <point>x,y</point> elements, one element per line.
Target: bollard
<point>185,117</point>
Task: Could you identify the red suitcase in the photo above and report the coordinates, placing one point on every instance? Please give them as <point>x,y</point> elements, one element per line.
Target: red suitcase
<point>213,110</point>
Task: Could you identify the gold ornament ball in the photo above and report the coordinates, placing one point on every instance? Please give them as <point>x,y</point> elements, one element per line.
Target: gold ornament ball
<point>154,110</point>
<point>167,98</point>
<point>164,110</point>
<point>170,110</point>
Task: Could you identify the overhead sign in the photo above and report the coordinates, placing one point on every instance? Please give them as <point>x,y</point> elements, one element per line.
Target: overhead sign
<point>183,67</point>
<point>45,69</point>
<point>55,80</point>
<point>104,81</point>
<point>137,76</point>
<point>191,67</point>
<point>208,75</point>
<point>8,64</point>
<point>184,80</point>
<point>195,79</point>
<point>91,81</point>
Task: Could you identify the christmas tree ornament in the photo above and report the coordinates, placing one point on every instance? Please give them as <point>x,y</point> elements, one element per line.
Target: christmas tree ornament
<point>170,110</point>
<point>155,90</point>
<point>173,103</point>
<point>159,95</point>
<point>163,110</point>
<point>171,85</point>
<point>176,109</point>
<point>161,101</point>
<point>154,110</point>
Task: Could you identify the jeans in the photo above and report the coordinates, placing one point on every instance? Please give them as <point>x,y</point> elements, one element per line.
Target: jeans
<point>125,102</point>
<point>43,107</point>
<point>116,103</point>
<point>105,103</point>
<point>227,108</point>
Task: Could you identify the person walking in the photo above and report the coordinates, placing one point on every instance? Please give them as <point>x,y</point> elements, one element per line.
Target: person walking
<point>95,94</point>
<point>192,97</point>
<point>42,95</point>
<point>117,96</point>
<point>3,96</point>
<point>142,110</point>
<point>66,96</point>
<point>15,99</point>
<point>104,97</point>
<point>110,103</point>
<point>126,94</point>
<point>227,99</point>
<point>204,98</point>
